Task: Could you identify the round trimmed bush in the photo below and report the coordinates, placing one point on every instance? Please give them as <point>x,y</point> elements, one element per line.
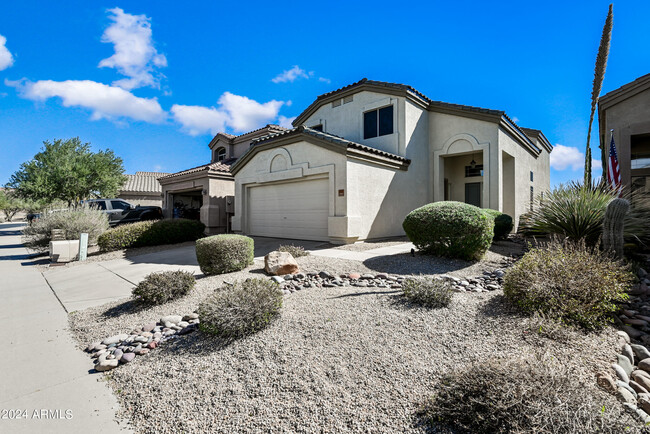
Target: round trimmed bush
<point>502,223</point>
<point>453,229</point>
<point>241,309</point>
<point>158,288</point>
<point>221,254</point>
<point>570,282</point>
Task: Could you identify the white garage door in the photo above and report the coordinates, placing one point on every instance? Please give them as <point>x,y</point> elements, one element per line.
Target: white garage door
<point>296,210</point>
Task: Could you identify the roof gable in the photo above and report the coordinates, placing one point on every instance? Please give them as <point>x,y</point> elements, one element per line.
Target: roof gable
<point>496,116</point>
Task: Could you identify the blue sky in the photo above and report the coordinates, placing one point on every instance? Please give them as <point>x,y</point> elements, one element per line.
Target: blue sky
<point>154,80</point>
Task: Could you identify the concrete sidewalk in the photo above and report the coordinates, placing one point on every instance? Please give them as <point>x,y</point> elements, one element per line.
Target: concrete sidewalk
<point>43,374</point>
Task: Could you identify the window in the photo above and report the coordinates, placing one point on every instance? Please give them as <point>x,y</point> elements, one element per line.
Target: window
<point>336,103</point>
<point>378,122</point>
<point>118,204</point>
<point>532,198</point>
<point>640,161</point>
<point>318,127</point>
<point>477,170</point>
<point>348,99</point>
<point>220,154</point>
<point>531,176</point>
<point>98,205</point>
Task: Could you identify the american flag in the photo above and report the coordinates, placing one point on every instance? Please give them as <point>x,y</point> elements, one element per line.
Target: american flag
<point>613,169</point>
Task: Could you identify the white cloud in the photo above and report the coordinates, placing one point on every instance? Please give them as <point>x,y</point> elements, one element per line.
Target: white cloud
<point>285,122</point>
<point>6,59</point>
<point>564,157</point>
<point>235,112</point>
<point>199,120</point>
<point>135,56</point>
<point>290,75</point>
<point>245,114</point>
<point>324,80</point>
<point>106,102</point>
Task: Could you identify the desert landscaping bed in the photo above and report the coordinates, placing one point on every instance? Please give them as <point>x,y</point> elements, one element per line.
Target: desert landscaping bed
<point>339,359</point>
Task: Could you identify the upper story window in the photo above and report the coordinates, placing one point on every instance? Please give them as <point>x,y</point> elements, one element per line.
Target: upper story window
<point>378,122</point>
<point>220,154</point>
<point>531,176</point>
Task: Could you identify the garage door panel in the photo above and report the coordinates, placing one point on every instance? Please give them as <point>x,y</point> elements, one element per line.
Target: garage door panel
<point>291,210</point>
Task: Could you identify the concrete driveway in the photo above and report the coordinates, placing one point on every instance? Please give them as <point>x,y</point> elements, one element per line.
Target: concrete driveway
<point>87,285</point>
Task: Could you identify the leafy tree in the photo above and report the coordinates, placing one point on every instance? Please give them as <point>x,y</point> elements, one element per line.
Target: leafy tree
<point>68,171</point>
<point>10,205</point>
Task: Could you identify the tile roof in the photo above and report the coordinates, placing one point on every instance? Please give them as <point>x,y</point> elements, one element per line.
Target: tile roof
<point>429,103</point>
<point>628,86</point>
<point>412,91</point>
<point>329,138</point>
<point>217,167</point>
<point>145,182</point>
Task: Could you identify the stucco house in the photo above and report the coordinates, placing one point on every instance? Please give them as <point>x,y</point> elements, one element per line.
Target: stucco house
<point>626,110</point>
<point>362,157</point>
<point>142,188</point>
<point>205,192</point>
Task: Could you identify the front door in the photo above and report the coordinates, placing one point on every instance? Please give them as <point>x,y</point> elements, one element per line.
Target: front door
<point>473,193</point>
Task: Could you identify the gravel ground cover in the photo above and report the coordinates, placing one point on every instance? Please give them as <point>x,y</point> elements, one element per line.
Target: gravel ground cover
<point>342,359</point>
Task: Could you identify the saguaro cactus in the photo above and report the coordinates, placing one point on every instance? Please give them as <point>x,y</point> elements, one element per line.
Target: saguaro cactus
<point>613,224</point>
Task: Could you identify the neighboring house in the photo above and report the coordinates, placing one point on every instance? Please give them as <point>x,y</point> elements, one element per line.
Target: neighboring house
<point>626,110</point>
<point>205,192</point>
<point>363,156</point>
<point>142,189</point>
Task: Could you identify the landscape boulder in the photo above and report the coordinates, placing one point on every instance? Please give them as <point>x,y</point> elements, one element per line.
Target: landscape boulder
<point>280,263</point>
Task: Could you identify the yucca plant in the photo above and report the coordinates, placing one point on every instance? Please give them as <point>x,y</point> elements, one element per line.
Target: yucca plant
<point>576,211</point>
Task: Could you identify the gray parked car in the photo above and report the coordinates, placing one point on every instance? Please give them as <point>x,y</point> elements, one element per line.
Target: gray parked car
<point>120,211</point>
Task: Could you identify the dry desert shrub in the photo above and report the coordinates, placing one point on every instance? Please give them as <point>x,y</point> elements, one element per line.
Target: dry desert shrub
<point>533,394</point>
<point>237,310</point>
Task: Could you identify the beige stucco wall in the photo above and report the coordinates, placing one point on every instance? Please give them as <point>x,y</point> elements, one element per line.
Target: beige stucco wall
<point>524,162</point>
<point>451,135</point>
<point>629,116</point>
<point>346,121</point>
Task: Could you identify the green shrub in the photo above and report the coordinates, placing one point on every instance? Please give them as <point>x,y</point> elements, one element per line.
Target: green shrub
<point>453,229</point>
<point>151,233</point>
<point>571,282</point>
<point>221,254</point>
<point>241,309</point>
<point>158,288</point>
<point>428,292</point>
<point>502,223</point>
<point>519,395</point>
<point>73,221</point>
<point>295,251</point>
